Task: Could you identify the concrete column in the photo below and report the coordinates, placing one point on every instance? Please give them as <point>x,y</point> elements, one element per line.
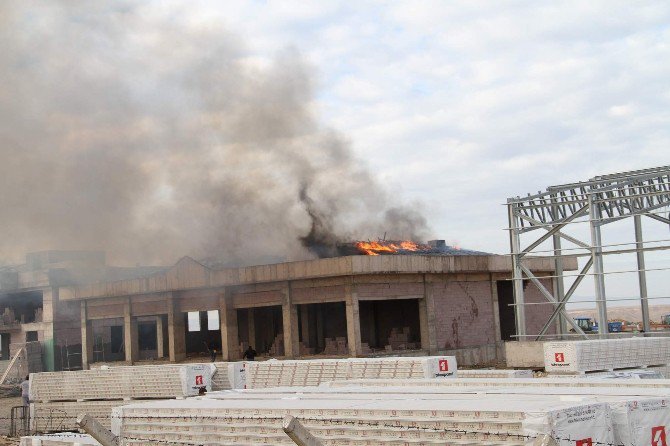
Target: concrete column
<point>290,324</point>
<point>176,332</point>
<point>159,337</point>
<point>320,341</point>
<point>353,320</point>
<point>86,337</point>
<point>427,319</point>
<point>131,342</point>
<point>304,324</point>
<point>251,322</point>
<point>230,343</point>
<point>500,350</point>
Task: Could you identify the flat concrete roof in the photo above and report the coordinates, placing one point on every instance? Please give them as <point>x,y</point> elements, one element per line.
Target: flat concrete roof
<point>190,274</point>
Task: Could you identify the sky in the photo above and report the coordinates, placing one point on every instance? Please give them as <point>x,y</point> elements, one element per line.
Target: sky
<point>460,105</point>
<point>456,106</point>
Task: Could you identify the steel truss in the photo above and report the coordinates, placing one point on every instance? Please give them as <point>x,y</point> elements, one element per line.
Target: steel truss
<point>598,202</point>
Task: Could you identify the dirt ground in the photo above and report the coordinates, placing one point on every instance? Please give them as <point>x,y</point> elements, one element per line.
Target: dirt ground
<point>6,405</point>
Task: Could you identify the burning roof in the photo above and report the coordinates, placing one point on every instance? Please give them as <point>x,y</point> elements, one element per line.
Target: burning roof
<point>390,247</point>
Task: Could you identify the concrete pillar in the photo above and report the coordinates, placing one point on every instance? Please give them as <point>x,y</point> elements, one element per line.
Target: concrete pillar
<point>251,322</point>
<point>230,343</point>
<point>290,324</point>
<point>159,337</point>
<point>130,339</point>
<point>176,332</point>
<point>304,324</point>
<point>320,341</point>
<point>86,337</point>
<point>500,349</point>
<point>353,320</point>
<point>427,319</point>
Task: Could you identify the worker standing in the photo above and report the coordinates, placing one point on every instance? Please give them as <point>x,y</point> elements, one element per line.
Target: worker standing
<point>25,391</point>
<point>249,354</point>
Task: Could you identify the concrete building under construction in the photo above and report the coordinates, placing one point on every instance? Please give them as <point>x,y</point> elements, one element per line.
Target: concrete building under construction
<point>83,311</point>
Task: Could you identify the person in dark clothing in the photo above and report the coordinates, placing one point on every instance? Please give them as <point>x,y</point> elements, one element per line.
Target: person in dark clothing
<point>250,354</point>
<point>212,351</point>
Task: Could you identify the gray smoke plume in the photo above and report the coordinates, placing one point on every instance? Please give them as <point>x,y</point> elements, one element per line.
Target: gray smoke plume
<point>122,130</point>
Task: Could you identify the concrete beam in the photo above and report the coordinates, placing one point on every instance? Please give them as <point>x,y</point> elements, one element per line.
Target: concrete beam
<point>86,337</point>
<point>290,324</point>
<point>159,337</point>
<point>130,339</point>
<point>230,343</point>
<point>427,321</point>
<point>353,320</point>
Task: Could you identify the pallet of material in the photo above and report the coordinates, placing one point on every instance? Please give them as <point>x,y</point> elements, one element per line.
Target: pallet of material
<point>60,439</point>
<point>314,372</point>
<point>486,421</point>
<point>605,354</point>
<point>62,415</point>
<point>113,383</point>
<point>659,384</point>
<point>637,419</point>
<point>495,373</point>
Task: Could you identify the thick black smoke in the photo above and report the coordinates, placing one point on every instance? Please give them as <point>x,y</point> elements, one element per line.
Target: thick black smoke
<point>123,130</point>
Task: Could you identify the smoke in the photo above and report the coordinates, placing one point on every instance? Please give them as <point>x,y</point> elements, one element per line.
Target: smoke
<point>126,130</point>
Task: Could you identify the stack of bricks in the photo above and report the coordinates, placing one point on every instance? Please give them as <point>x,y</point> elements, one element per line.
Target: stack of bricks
<point>277,347</point>
<point>399,340</point>
<point>336,346</point>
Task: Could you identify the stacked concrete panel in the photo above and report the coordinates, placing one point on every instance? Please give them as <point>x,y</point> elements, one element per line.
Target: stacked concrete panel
<point>658,386</point>
<point>606,354</point>
<point>64,439</point>
<point>62,415</point>
<point>314,372</point>
<point>495,373</point>
<point>352,421</point>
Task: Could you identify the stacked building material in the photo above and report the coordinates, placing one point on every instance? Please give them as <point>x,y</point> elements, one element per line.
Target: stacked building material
<point>578,357</point>
<point>660,386</point>
<point>58,397</point>
<point>348,420</point>
<point>495,373</point>
<point>314,372</point>
<point>62,439</point>
<point>336,346</point>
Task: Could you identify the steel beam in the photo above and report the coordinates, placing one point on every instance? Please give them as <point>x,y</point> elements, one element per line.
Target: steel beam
<point>549,297</point>
<point>641,273</point>
<point>517,275</point>
<point>596,256</point>
<point>565,300</point>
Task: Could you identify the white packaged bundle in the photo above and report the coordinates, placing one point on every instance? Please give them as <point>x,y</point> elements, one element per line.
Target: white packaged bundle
<point>195,377</point>
<point>642,422</point>
<point>586,425</point>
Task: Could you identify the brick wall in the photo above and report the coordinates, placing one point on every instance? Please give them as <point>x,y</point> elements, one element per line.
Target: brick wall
<point>382,290</point>
<point>463,314</point>
<point>537,315</point>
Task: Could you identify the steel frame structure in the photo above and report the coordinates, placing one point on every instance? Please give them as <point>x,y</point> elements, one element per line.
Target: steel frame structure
<point>596,202</point>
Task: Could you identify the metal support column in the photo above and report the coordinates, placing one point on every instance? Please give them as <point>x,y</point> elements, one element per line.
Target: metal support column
<point>519,304</point>
<point>598,269</point>
<point>641,274</point>
<point>559,283</point>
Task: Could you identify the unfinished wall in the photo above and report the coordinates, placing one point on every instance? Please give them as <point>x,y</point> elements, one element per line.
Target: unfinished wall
<point>537,315</point>
<point>463,313</point>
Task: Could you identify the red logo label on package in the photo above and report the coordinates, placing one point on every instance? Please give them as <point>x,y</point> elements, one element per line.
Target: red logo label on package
<point>658,437</point>
<point>585,442</point>
<point>198,380</point>
<point>443,364</point>
<point>559,357</point>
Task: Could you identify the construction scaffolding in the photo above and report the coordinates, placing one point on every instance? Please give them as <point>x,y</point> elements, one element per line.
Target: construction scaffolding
<point>597,202</point>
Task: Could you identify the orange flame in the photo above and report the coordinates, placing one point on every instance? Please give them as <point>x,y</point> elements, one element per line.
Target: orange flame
<point>377,248</point>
